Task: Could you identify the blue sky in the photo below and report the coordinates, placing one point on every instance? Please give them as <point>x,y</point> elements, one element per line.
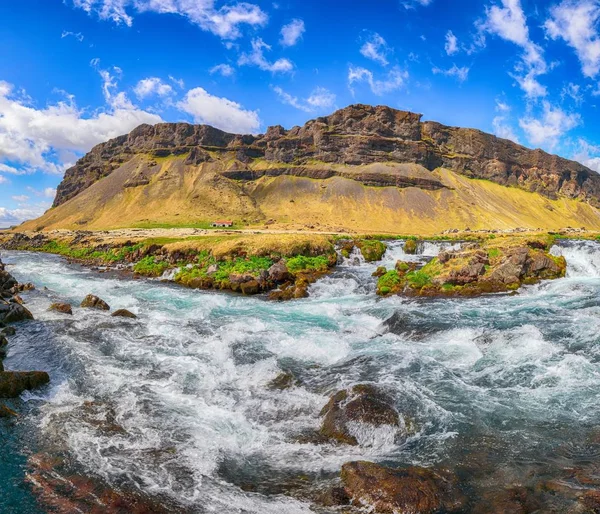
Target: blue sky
<point>74,73</point>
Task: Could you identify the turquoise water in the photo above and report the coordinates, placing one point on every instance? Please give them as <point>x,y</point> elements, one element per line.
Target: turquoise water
<point>186,383</point>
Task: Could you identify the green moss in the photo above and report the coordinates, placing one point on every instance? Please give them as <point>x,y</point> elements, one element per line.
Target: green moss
<point>494,253</point>
<point>371,249</point>
<point>241,266</point>
<point>150,267</point>
<point>388,282</point>
<point>418,279</point>
<point>301,263</point>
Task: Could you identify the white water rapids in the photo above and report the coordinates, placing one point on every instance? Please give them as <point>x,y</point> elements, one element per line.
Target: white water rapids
<point>187,381</point>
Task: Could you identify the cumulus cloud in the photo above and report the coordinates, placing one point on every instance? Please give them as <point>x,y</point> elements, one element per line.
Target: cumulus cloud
<point>219,112</point>
<point>547,129</point>
<point>451,45</point>
<point>20,198</point>
<point>376,49</point>
<point>320,98</point>
<point>224,22</point>
<point>45,138</point>
<point>292,32</point>
<point>152,86</point>
<point>10,217</point>
<point>257,58</point>
<point>461,74</point>
<point>575,22</point>
<point>394,80</point>
<point>224,70</point>
<point>510,23</point>
<point>588,155</point>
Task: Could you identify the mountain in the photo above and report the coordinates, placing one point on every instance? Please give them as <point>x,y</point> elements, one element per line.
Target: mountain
<point>362,168</point>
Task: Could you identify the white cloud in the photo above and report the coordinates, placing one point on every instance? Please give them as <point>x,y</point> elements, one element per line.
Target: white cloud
<point>395,79</point>
<point>178,82</point>
<point>224,22</point>
<point>461,74</point>
<point>20,198</point>
<point>10,217</point>
<point>411,4</point>
<point>292,32</point>
<point>500,122</point>
<point>510,23</point>
<point>547,129</point>
<point>575,22</point>
<point>222,69</point>
<point>451,45</point>
<point>219,112</point>
<point>152,86</point>
<point>588,155</point>
<point>3,180</point>
<point>320,98</point>
<point>257,58</point>
<point>45,138</point>
<point>572,91</point>
<point>376,49</point>
<point>77,35</point>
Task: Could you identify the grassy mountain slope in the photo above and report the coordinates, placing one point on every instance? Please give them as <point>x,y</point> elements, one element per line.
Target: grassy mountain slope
<point>151,191</point>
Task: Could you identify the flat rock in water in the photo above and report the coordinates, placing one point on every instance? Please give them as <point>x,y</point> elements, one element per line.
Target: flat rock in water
<point>13,383</point>
<point>65,308</point>
<point>414,490</point>
<point>123,313</point>
<point>362,403</point>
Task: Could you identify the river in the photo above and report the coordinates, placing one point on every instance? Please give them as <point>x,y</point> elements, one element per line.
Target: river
<point>176,404</point>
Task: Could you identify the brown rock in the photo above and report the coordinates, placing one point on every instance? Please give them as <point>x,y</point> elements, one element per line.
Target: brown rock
<point>13,312</point>
<point>250,288</point>
<point>65,308</point>
<point>6,412</point>
<point>279,272</point>
<point>410,247</point>
<point>93,302</point>
<point>412,490</point>
<point>13,383</point>
<point>123,313</point>
<point>380,271</point>
<point>362,403</point>
<point>282,381</point>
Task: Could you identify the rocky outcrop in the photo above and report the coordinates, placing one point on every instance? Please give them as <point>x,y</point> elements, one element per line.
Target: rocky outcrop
<point>378,146</point>
<point>123,313</point>
<point>491,266</point>
<point>416,490</point>
<point>64,308</point>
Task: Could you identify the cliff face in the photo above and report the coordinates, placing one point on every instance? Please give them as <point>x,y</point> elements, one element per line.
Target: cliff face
<point>347,144</point>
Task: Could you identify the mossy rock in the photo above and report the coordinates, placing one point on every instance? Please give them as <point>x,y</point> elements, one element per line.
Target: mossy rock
<point>411,246</point>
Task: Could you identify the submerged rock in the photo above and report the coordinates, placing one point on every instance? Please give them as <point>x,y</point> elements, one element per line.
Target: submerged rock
<point>93,302</point>
<point>65,308</point>
<point>13,383</point>
<point>412,490</point>
<point>6,412</point>
<point>282,381</point>
<point>123,313</point>
<point>362,403</point>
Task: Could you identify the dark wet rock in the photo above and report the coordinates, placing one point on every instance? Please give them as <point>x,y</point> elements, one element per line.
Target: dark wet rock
<point>279,273</point>
<point>26,287</point>
<point>7,281</point>
<point>6,412</point>
<point>8,331</point>
<point>361,403</point>
<point>13,312</point>
<point>123,313</point>
<point>282,381</point>
<point>93,302</point>
<point>3,345</point>
<point>250,288</point>
<point>513,500</point>
<point>13,383</point>
<point>411,247</point>
<point>412,490</point>
<point>64,308</point>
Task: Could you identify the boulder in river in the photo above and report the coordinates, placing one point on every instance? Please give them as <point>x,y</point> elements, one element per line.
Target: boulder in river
<point>123,313</point>
<point>65,308</point>
<point>414,490</point>
<point>13,383</point>
<point>279,273</point>
<point>93,302</point>
<point>13,312</point>
<point>364,404</point>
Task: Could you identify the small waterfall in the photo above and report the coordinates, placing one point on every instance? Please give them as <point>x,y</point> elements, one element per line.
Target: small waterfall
<point>355,258</point>
<point>170,274</point>
<point>583,257</point>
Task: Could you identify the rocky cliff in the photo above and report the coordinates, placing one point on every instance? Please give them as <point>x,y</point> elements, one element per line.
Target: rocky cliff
<point>348,143</point>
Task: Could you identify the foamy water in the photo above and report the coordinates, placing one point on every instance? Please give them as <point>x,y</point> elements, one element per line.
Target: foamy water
<point>187,382</point>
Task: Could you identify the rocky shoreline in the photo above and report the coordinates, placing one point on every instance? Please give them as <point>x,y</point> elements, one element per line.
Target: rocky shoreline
<point>12,310</point>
